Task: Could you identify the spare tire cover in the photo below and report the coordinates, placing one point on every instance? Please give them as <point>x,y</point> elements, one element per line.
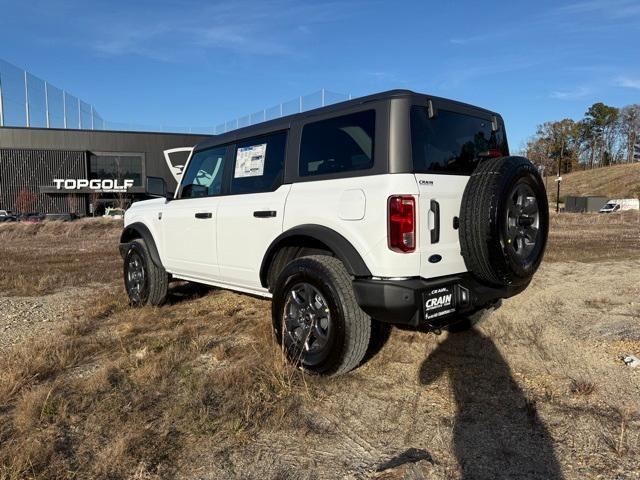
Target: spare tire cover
<point>504,221</point>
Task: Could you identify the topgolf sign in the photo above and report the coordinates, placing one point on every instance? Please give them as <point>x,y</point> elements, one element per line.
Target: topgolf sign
<point>100,185</point>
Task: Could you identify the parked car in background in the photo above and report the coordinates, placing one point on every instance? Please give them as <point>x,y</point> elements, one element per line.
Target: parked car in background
<point>31,217</point>
<point>7,216</point>
<point>620,205</point>
<point>114,213</point>
<point>61,217</point>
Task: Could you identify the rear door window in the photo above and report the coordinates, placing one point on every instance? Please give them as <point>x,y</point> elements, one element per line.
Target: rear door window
<point>453,142</point>
<point>259,163</point>
<point>339,144</point>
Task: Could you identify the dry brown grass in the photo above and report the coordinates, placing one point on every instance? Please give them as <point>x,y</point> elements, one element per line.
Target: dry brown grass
<point>198,388</point>
<point>45,257</point>
<point>580,386</point>
<point>589,237</point>
<point>123,391</point>
<point>618,181</point>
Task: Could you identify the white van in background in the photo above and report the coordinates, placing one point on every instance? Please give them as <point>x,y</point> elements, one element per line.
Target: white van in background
<point>620,205</point>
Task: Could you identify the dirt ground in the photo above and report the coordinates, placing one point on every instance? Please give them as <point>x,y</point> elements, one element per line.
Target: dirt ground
<point>91,388</point>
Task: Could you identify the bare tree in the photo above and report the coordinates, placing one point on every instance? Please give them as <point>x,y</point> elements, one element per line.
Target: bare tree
<point>72,204</point>
<point>630,128</point>
<point>25,200</point>
<point>602,125</point>
<point>94,196</point>
<point>606,135</point>
<point>122,198</point>
<point>555,146</point>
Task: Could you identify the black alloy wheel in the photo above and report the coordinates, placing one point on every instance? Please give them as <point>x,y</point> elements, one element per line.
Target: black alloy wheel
<point>306,323</point>
<point>136,281</point>
<point>523,222</point>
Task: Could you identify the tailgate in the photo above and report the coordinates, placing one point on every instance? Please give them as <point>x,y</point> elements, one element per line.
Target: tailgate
<point>439,205</point>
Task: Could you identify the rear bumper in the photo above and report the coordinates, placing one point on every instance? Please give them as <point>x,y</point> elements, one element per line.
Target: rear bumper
<point>401,301</point>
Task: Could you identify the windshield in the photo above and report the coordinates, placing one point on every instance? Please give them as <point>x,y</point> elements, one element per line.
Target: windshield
<point>453,142</point>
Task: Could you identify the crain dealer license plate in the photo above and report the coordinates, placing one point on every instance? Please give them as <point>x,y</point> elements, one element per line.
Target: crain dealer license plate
<point>438,302</point>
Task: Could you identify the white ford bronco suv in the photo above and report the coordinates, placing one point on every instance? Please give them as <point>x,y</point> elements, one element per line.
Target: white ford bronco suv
<point>398,207</point>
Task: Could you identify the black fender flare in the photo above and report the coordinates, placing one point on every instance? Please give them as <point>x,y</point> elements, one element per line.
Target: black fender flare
<point>339,245</point>
<point>140,230</point>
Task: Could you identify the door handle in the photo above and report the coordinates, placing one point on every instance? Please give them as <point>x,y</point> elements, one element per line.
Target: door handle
<point>203,215</point>
<point>435,231</point>
<point>264,213</point>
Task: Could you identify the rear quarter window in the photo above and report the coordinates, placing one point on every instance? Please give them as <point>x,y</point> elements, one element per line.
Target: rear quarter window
<point>453,142</point>
<point>339,144</point>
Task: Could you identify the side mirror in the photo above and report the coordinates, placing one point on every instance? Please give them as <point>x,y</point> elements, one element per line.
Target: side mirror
<point>156,187</point>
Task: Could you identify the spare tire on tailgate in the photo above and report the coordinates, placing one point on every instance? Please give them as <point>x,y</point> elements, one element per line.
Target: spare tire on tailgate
<point>504,221</point>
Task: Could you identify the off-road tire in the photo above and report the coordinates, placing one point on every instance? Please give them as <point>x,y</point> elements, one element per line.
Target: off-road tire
<point>350,326</point>
<point>155,284</point>
<point>485,242</point>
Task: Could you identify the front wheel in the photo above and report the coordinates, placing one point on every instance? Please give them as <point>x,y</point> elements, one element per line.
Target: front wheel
<point>145,282</point>
<point>316,318</point>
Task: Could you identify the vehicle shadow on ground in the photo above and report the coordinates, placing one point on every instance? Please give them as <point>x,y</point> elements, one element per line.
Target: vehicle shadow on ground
<point>496,432</point>
<point>180,291</point>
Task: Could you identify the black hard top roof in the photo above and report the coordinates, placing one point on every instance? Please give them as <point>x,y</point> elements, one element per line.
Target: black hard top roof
<point>283,123</point>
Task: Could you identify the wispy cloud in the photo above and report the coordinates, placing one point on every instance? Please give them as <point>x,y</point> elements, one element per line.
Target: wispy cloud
<point>628,82</point>
<point>482,37</point>
<point>381,75</point>
<point>459,72</point>
<point>606,8</point>
<point>572,94</point>
<point>587,15</point>
<point>246,27</point>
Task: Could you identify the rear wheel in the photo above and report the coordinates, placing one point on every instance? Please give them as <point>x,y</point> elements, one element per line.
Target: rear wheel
<point>316,318</point>
<point>145,282</point>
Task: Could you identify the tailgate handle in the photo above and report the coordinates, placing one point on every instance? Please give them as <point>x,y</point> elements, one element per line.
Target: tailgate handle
<point>435,231</point>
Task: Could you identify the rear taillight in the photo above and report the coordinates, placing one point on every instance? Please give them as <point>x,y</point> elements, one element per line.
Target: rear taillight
<point>402,223</point>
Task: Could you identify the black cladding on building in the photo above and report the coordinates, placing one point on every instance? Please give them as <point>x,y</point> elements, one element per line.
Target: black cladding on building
<point>32,158</point>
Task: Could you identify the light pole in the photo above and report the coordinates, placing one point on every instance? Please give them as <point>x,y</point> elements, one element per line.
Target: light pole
<point>558,180</point>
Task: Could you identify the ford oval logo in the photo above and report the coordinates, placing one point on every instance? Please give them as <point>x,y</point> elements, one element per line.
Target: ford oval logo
<point>435,258</point>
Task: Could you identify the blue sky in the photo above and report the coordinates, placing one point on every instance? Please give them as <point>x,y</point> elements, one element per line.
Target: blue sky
<point>199,63</point>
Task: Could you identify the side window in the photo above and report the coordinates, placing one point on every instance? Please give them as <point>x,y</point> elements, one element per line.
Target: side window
<point>204,174</point>
<point>259,164</point>
<point>339,144</point>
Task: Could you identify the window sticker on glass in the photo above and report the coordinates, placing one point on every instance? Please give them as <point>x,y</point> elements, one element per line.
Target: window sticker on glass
<point>250,161</point>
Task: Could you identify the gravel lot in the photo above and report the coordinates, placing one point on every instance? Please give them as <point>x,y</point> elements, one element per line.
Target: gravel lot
<point>22,318</point>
